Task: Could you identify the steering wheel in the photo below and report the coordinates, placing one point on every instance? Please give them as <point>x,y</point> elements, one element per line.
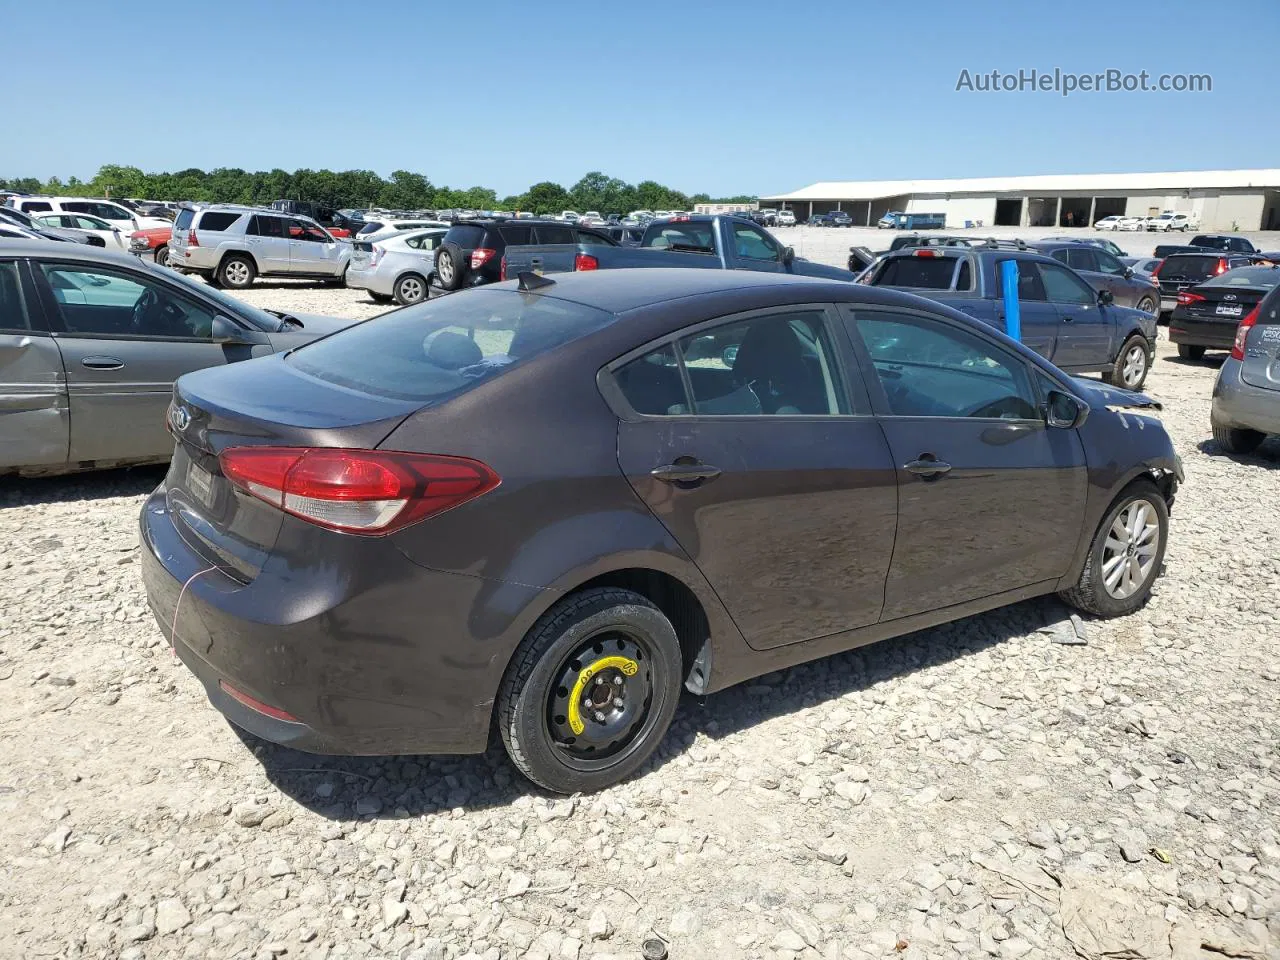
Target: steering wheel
<point>142,310</point>
<point>1006,407</point>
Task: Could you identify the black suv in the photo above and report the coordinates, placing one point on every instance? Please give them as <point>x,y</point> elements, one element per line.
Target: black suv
<point>471,252</point>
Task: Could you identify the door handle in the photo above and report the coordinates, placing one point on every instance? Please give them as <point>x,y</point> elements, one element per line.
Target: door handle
<point>685,472</point>
<point>102,363</point>
<point>928,467</point>
<point>1068,319</point>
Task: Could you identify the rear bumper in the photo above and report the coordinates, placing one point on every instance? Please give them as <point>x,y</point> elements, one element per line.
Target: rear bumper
<point>1241,405</point>
<point>369,652</point>
<point>371,280</point>
<point>1202,333</point>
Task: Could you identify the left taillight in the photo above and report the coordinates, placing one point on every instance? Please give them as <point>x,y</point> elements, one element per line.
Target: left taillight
<point>1242,334</point>
<point>372,492</point>
<point>585,261</point>
<point>480,256</point>
<point>376,252</point>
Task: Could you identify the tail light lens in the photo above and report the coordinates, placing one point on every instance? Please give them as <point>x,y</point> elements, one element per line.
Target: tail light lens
<point>480,256</point>
<point>376,253</point>
<point>1242,334</point>
<point>924,252</point>
<point>1221,267</point>
<point>585,261</point>
<point>1186,299</point>
<point>191,238</point>
<point>356,491</point>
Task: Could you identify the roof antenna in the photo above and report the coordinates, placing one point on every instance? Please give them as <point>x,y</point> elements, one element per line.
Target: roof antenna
<point>529,282</point>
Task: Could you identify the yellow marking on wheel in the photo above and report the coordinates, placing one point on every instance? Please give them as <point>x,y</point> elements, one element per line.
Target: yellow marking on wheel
<point>626,665</point>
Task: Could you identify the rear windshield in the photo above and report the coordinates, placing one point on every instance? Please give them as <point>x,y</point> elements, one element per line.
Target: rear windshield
<point>927,273</point>
<point>689,237</point>
<point>184,218</point>
<point>1189,266</point>
<point>1246,277</point>
<point>436,350</point>
<point>467,237</point>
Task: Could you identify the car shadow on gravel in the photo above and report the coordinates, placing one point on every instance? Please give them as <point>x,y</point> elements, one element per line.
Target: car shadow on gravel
<point>1266,456</point>
<point>358,788</point>
<point>1211,361</point>
<point>96,485</point>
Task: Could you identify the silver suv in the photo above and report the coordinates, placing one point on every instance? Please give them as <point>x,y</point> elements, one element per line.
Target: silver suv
<point>230,245</point>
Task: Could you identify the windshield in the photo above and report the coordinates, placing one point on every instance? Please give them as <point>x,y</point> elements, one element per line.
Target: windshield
<point>1189,266</point>
<point>1246,277</point>
<point>436,350</point>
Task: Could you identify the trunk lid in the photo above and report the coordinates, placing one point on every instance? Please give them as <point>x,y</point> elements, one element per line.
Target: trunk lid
<point>265,402</point>
<point>361,254</point>
<point>1261,365</point>
<point>1222,304</point>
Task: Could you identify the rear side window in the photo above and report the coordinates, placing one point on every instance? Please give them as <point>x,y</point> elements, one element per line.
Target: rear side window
<point>517,236</point>
<point>686,237</point>
<point>550,233</point>
<point>268,227</point>
<point>445,347</point>
<point>590,237</point>
<point>13,311</point>
<point>36,206</point>
<point>184,218</point>
<point>926,273</point>
<point>218,221</point>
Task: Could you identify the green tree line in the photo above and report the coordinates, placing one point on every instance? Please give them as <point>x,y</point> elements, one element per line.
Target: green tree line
<point>363,188</point>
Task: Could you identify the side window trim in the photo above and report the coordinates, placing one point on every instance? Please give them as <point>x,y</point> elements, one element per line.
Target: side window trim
<point>871,378</point>
<point>843,368</point>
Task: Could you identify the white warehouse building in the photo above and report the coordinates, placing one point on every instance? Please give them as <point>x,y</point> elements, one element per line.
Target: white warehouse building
<point>1225,199</point>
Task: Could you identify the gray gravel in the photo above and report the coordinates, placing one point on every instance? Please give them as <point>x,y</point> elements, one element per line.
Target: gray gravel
<point>974,790</point>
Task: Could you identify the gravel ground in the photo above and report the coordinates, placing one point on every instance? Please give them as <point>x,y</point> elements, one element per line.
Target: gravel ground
<point>982,789</point>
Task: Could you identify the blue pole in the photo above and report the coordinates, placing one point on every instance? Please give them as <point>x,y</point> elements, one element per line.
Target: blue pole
<point>1012,312</point>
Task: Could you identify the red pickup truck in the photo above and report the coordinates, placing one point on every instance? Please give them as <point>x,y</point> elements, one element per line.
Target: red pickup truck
<point>153,239</point>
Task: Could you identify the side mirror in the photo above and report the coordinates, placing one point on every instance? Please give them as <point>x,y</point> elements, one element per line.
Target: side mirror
<point>1064,411</point>
<point>227,332</point>
<point>788,256</point>
<point>729,355</point>
<point>1105,298</point>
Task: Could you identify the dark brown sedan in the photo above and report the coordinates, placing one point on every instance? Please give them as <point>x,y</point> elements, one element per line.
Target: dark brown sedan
<point>550,505</point>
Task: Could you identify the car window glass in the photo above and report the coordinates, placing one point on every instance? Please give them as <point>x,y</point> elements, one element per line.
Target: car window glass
<point>922,273</point>
<point>214,220</point>
<point>261,226</point>
<point>517,235</point>
<point>1081,258</point>
<point>591,238</point>
<point>76,206</point>
<point>928,368</point>
<point>109,212</point>
<point>183,220</point>
<point>301,230</point>
<point>1030,286</point>
<point>1062,286</point>
<point>106,303</point>
<point>751,243</point>
<point>1108,264</point>
<point>774,364</point>
<point>550,233</point>
<point>35,206</point>
<point>683,236</point>
<point>652,384</point>
<point>13,310</point>
<point>85,223</point>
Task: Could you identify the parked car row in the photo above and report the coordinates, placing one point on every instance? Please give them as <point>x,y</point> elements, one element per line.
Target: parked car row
<point>1160,223</point>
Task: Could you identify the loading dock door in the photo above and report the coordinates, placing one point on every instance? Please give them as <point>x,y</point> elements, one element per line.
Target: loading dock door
<point>1009,212</point>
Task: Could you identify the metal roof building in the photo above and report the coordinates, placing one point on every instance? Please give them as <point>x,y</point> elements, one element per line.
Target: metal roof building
<point>1225,199</point>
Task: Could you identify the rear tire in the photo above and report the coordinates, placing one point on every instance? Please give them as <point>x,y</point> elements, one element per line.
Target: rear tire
<point>411,288</point>
<point>1188,352</point>
<point>162,255</point>
<point>448,271</point>
<point>1147,305</point>
<point>1132,364</point>
<point>1093,592</point>
<point>1231,440</point>
<point>554,664</point>
<point>237,272</point>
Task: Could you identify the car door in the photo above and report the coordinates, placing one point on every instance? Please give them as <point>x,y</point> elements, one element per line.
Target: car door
<point>267,238</point>
<point>1040,319</point>
<point>753,249</point>
<point>125,336</point>
<point>311,249</point>
<point>759,455</point>
<point>990,498</point>
<point>1084,339</point>
<point>34,420</point>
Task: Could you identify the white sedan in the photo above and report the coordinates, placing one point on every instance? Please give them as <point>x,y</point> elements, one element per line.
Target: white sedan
<point>1132,223</point>
<point>1108,223</point>
<point>111,235</point>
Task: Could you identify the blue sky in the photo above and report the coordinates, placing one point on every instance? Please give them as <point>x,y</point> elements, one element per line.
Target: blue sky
<point>730,97</point>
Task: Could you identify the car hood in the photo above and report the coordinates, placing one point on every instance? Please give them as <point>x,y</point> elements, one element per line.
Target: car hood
<point>1099,396</point>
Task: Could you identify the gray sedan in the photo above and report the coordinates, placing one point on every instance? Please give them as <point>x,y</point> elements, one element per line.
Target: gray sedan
<point>91,342</point>
<point>1246,396</point>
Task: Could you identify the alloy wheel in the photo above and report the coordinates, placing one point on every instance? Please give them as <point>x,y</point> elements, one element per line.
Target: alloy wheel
<point>1129,553</point>
<point>445,266</point>
<point>1135,366</point>
<point>237,273</point>
<point>411,290</point>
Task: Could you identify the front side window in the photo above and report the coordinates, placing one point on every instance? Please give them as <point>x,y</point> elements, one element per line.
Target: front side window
<point>301,230</point>
<point>1079,258</point>
<point>97,302</point>
<point>928,368</point>
<point>13,309</point>
<point>1063,286</point>
<point>1108,264</point>
<point>751,243</point>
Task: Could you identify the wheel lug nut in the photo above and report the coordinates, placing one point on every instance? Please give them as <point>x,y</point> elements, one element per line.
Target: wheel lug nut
<point>617,702</point>
<point>617,681</point>
<point>599,716</point>
<point>599,680</point>
<point>586,703</point>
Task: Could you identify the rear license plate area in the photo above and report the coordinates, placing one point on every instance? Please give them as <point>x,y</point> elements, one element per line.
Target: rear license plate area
<point>1228,310</point>
<point>200,483</point>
